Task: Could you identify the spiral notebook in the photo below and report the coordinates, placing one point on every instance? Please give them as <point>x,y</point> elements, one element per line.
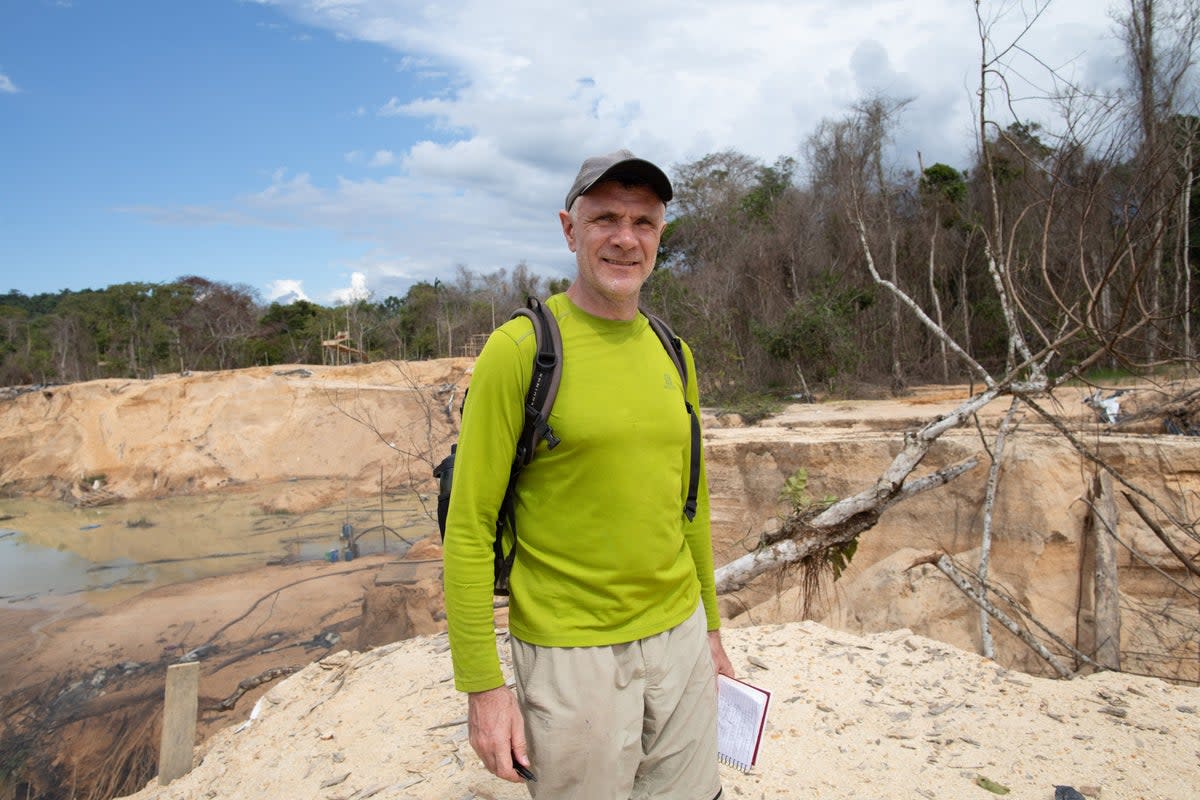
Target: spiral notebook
<point>741,717</point>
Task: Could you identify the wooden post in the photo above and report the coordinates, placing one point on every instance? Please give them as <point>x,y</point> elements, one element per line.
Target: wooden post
<point>179,721</point>
<point>1107,603</point>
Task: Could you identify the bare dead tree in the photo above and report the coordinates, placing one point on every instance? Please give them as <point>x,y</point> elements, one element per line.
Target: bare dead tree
<point>1054,336</point>
<point>1161,39</point>
<point>939,186</point>
<point>423,438</point>
<point>877,118</point>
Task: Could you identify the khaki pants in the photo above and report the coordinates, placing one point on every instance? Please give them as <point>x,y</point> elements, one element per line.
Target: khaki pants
<point>632,721</point>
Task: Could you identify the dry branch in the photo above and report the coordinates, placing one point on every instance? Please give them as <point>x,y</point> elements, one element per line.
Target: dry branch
<point>1162,535</point>
<point>943,563</point>
<point>944,339</point>
<point>1082,449</point>
<point>246,684</point>
<point>1012,602</point>
<point>276,592</point>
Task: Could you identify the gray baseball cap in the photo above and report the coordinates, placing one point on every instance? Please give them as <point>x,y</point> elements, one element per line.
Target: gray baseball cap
<point>621,165</point>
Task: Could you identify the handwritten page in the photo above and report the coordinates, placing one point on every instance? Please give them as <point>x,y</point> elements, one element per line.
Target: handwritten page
<point>741,716</point>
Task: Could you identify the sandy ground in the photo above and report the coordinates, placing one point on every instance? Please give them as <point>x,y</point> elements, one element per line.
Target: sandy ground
<point>851,718</point>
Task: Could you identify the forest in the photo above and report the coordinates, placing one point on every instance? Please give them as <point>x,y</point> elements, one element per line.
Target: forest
<point>829,270</point>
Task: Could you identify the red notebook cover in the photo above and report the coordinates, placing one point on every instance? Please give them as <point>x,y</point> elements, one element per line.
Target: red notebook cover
<point>741,719</point>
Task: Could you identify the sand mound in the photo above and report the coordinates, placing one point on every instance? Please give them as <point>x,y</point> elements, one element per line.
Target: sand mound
<point>883,716</point>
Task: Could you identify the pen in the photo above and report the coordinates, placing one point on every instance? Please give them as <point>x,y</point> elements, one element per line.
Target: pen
<point>522,770</point>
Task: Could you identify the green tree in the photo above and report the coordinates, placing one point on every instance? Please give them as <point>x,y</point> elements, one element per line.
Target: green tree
<point>817,334</point>
<point>291,333</point>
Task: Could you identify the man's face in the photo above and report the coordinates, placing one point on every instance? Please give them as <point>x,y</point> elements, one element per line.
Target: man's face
<point>614,232</point>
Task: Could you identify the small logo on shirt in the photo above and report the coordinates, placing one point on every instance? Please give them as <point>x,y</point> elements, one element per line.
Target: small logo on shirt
<point>667,382</point>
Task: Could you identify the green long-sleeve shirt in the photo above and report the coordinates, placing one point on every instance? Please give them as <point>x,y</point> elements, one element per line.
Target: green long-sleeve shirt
<point>605,554</point>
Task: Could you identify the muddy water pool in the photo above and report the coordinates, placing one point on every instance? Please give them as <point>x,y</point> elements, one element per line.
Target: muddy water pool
<point>53,554</point>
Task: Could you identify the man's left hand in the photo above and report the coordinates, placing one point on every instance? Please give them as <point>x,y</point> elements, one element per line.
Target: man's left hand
<point>721,663</point>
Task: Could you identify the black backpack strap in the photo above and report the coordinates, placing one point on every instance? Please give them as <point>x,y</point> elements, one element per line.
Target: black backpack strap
<point>674,347</point>
<point>543,383</point>
<point>539,400</point>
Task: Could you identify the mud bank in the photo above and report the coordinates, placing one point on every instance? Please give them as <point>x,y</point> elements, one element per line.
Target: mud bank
<point>83,687</point>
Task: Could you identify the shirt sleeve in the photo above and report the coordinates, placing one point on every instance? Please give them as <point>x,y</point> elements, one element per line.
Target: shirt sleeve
<point>492,420</point>
<point>698,532</point>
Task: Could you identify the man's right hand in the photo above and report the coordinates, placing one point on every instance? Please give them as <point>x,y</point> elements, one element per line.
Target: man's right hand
<point>497,731</point>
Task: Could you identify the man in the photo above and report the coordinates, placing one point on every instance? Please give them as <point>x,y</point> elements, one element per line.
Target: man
<point>612,589</point>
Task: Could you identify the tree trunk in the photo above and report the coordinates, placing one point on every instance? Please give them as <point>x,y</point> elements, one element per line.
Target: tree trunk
<point>933,294</point>
<point>1107,598</point>
<point>964,301</point>
<point>1186,227</point>
<point>898,380</point>
<point>985,549</point>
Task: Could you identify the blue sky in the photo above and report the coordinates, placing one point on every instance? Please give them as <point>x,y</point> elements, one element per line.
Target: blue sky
<point>336,148</point>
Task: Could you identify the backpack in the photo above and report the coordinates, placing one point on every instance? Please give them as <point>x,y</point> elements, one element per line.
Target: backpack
<point>539,400</point>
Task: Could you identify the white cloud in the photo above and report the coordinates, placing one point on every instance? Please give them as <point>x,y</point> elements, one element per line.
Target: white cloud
<point>392,108</point>
<point>357,290</point>
<point>513,98</point>
<point>383,158</point>
<point>7,86</point>
<point>755,75</point>
<point>285,291</point>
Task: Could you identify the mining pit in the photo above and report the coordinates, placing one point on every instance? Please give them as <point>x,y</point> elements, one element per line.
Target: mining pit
<point>208,516</point>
